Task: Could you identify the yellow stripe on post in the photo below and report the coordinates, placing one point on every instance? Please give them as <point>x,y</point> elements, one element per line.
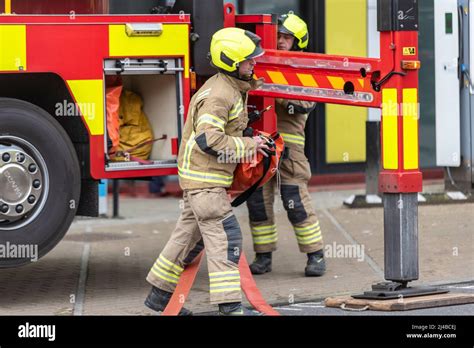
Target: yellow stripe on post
<point>277,77</point>
<point>89,96</point>
<point>307,80</point>
<point>410,128</point>
<point>8,6</point>
<point>173,41</point>
<point>12,47</point>
<point>390,128</point>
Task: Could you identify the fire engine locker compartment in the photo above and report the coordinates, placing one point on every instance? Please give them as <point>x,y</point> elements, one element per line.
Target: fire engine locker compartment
<point>159,83</point>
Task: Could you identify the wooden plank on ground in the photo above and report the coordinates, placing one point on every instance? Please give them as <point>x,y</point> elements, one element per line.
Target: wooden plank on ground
<point>401,304</point>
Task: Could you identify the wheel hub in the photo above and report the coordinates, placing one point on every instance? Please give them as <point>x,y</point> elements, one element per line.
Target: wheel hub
<point>21,183</point>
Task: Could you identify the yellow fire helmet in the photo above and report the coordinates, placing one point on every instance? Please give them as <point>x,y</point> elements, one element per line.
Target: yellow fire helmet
<point>294,25</point>
<point>231,46</point>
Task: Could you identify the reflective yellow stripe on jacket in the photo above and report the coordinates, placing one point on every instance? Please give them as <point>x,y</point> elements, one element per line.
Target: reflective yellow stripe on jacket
<point>239,146</point>
<point>203,94</point>
<point>211,119</point>
<point>293,138</point>
<point>236,110</point>
<point>186,173</point>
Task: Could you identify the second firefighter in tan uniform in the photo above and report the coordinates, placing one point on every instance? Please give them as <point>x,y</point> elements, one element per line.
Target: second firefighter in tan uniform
<point>216,120</point>
<point>295,173</point>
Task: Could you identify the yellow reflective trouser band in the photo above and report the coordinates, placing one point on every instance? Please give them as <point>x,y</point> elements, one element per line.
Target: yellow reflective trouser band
<point>263,230</point>
<point>264,234</point>
<point>236,110</point>
<point>166,270</point>
<point>224,281</point>
<point>212,120</point>
<point>265,240</point>
<point>186,173</point>
<point>302,230</point>
<point>309,234</point>
<point>311,239</point>
<point>215,275</point>
<point>171,265</point>
<point>293,138</point>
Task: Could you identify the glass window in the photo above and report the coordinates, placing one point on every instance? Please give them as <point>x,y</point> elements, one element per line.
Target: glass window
<point>275,6</point>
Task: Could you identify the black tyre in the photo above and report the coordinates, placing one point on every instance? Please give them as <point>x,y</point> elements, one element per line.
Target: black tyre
<point>40,182</point>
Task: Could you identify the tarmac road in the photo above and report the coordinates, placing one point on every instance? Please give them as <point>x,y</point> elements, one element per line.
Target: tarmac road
<point>318,308</point>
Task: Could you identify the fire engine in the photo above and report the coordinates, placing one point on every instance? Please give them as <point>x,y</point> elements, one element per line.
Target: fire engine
<point>54,71</point>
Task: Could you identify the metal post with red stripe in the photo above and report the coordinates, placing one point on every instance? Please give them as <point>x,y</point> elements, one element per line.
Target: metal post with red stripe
<point>390,83</point>
<point>400,179</point>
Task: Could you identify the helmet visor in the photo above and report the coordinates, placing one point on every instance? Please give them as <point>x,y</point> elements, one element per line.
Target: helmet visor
<point>283,30</point>
<point>258,51</point>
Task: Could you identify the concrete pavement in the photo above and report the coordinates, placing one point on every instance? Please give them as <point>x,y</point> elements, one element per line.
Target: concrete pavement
<point>100,266</point>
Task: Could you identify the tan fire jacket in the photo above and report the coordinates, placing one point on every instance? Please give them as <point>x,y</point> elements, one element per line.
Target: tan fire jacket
<point>213,144</point>
<point>292,116</point>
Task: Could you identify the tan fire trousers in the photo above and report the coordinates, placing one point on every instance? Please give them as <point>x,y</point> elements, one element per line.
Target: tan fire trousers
<point>206,221</point>
<point>296,201</point>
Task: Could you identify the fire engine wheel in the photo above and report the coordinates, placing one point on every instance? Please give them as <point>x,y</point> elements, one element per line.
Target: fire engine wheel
<point>39,182</point>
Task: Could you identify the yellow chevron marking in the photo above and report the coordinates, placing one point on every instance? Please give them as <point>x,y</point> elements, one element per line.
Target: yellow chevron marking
<point>336,82</point>
<point>277,77</point>
<point>307,80</point>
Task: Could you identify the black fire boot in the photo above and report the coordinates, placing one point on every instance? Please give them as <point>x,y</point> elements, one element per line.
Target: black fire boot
<point>158,299</point>
<point>316,265</point>
<point>262,263</point>
<point>236,309</point>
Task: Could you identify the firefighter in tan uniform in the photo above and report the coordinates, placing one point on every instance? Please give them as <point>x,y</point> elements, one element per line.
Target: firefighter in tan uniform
<point>295,174</point>
<point>214,129</point>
